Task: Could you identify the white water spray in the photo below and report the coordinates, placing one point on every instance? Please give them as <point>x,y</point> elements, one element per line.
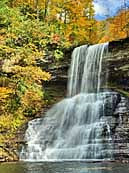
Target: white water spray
<point>75,128</point>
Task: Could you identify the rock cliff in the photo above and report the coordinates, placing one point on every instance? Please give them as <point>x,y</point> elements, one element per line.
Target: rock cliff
<point>118,80</point>
<point>117,63</point>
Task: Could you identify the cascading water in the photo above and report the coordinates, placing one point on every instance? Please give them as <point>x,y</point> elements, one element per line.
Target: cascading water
<point>75,128</point>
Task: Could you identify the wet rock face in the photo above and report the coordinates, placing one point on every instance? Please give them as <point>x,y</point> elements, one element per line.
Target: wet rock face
<point>117,63</point>
<point>110,103</point>
<point>119,124</point>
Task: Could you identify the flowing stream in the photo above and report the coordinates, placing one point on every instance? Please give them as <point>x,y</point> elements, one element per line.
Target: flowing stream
<point>76,128</point>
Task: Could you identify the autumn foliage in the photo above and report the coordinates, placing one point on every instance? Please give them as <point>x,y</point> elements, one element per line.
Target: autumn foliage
<point>114,28</point>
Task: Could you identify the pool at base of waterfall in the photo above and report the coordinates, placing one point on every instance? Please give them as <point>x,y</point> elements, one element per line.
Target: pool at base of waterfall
<point>64,167</point>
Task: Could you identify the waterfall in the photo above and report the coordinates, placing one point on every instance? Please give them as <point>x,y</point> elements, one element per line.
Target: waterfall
<point>77,127</point>
<point>85,71</point>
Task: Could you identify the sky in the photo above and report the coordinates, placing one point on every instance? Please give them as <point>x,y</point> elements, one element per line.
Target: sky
<point>105,8</point>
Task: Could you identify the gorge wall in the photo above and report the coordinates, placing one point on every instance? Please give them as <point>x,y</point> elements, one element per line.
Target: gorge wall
<point>117,63</point>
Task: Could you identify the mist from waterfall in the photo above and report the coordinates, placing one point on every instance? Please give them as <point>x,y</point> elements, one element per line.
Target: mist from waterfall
<point>75,128</point>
